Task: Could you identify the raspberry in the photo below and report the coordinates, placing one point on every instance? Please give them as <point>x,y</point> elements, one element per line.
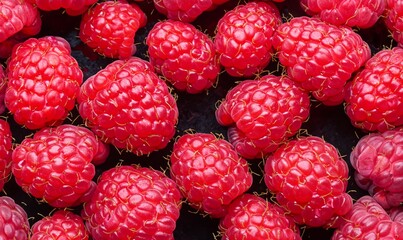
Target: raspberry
<point>55,164</point>
<point>320,56</point>
<point>126,104</point>
<point>13,220</point>
<point>63,224</point>
<point>3,87</point>
<point>353,13</point>
<point>209,172</point>
<point>252,217</point>
<point>5,152</point>
<point>109,28</point>
<point>185,56</point>
<point>72,7</point>
<point>262,114</point>
<point>43,82</point>
<point>18,18</point>
<point>132,202</point>
<point>374,98</point>
<point>183,10</point>
<point>393,19</point>
<point>377,159</point>
<point>243,38</point>
<point>309,180</point>
<point>368,220</point>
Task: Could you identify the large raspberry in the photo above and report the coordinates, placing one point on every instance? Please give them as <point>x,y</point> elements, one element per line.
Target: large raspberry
<point>6,141</point>
<point>374,98</point>
<point>43,82</point>
<point>110,27</point>
<point>126,104</point>
<point>262,114</point>
<point>185,56</point>
<point>132,202</point>
<point>368,220</point>
<point>209,172</point>
<point>252,217</point>
<point>243,38</point>
<point>309,180</point>
<point>320,56</point>
<point>13,220</point>
<point>353,13</point>
<point>394,19</point>
<point>55,164</point>
<point>72,7</point>
<point>378,160</point>
<point>183,10</point>
<point>62,224</point>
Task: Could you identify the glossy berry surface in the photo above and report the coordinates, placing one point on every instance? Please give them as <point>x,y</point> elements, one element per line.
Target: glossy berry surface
<point>72,7</point>
<point>13,220</point>
<point>6,149</point>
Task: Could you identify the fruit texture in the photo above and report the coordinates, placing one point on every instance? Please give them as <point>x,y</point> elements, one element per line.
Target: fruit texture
<point>185,56</point>
<point>183,10</point>
<point>368,220</point>
<point>132,202</point>
<point>377,159</point>
<point>127,105</point>
<point>72,7</point>
<point>208,172</point>
<point>43,82</point>
<point>3,87</point>
<point>252,217</point>
<point>62,224</point>
<point>320,56</point>
<point>109,28</point>
<point>243,38</point>
<point>5,152</point>
<point>394,19</point>
<point>374,98</point>
<point>55,164</point>
<point>262,114</point>
<point>352,13</point>
<point>309,180</point>
<point>13,220</point>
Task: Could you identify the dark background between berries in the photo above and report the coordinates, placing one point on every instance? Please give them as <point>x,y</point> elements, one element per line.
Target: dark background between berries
<point>196,113</point>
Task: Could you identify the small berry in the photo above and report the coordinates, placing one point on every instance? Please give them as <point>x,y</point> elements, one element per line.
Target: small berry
<point>13,220</point>
<point>5,152</point>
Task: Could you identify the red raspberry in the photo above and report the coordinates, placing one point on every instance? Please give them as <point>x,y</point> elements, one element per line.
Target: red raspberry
<point>18,18</point>
<point>262,114</point>
<point>183,10</point>
<point>252,217</point>
<point>374,98</point>
<point>72,7</point>
<point>209,172</point>
<point>377,159</point>
<point>43,82</point>
<point>5,152</point>
<point>132,202</point>
<point>126,104</point>
<point>13,220</point>
<point>309,180</point>
<point>353,13</point>
<point>63,224</point>
<point>3,87</point>
<point>394,19</point>
<point>185,56</point>
<point>320,56</point>
<point>243,38</point>
<point>396,214</point>
<point>55,164</point>
<point>368,220</point>
<point>109,28</point>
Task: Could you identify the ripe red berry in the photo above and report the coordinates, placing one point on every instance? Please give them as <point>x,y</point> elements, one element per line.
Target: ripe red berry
<point>243,38</point>
<point>109,28</point>
<point>55,164</point>
<point>185,56</point>
<point>132,202</point>
<point>320,56</point>
<point>5,152</point>
<point>352,13</point>
<point>252,217</point>
<point>43,82</point>
<point>209,172</point>
<point>72,7</point>
<point>3,87</point>
<point>126,104</point>
<point>309,180</point>
<point>62,224</point>
<point>377,159</point>
<point>374,98</point>
<point>261,114</point>
<point>13,220</point>
<point>394,19</point>
<point>182,10</point>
